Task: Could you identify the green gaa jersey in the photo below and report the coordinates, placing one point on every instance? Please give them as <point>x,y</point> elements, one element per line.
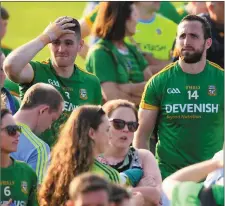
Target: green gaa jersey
<point>189,194</point>
<point>156,36</point>
<point>106,171</point>
<point>190,119</point>
<point>19,183</point>
<point>79,89</point>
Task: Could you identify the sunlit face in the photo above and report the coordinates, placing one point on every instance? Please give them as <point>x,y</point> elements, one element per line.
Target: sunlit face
<point>2,73</point>
<point>8,142</point>
<point>190,43</point>
<point>46,118</point>
<point>101,135</point>
<point>121,138</point>
<point>64,50</point>
<point>95,198</point>
<point>132,21</point>
<point>3,26</point>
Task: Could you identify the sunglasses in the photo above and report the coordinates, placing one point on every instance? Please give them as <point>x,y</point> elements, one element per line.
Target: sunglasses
<point>12,129</point>
<point>120,124</point>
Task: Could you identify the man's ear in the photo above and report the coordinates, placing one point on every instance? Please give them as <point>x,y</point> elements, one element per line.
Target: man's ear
<point>81,44</point>
<point>43,109</point>
<point>70,203</point>
<point>208,43</point>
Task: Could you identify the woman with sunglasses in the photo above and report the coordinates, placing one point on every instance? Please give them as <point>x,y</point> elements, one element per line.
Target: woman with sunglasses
<point>18,180</point>
<point>121,156</point>
<point>83,137</point>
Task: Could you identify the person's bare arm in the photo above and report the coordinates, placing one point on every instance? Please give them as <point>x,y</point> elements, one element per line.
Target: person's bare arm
<point>194,173</point>
<point>123,91</point>
<point>152,176</point>
<point>147,120</point>
<point>17,66</point>
<point>148,73</point>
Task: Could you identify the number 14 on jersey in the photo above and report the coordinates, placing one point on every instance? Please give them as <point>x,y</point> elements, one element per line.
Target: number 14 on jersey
<point>193,94</point>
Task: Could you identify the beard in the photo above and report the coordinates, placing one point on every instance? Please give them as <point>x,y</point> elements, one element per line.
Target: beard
<point>191,57</point>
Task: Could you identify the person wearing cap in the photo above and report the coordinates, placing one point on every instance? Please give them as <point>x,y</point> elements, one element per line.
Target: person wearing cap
<point>77,86</point>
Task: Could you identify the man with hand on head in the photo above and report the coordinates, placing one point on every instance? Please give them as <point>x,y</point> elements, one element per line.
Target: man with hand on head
<point>76,86</point>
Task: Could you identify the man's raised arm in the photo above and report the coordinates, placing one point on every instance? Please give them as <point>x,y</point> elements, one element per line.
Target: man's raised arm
<point>17,66</point>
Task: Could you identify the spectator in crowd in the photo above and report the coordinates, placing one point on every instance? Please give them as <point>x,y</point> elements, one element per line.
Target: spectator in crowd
<point>41,106</point>
<point>123,119</point>
<point>3,25</point>
<point>89,190</point>
<point>11,86</point>
<point>18,180</point>
<point>215,17</point>
<point>81,140</point>
<point>9,100</point>
<point>183,187</point>
<point>162,31</point>
<point>193,8</point>
<point>119,196</point>
<point>127,70</point>
<point>77,86</point>
<point>187,94</point>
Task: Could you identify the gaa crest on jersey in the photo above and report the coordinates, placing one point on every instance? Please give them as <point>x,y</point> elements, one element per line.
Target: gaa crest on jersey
<point>212,90</point>
<point>83,94</point>
<point>24,188</point>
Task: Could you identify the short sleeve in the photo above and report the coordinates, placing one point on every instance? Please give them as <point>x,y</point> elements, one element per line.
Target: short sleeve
<point>101,63</point>
<point>98,92</point>
<point>150,98</point>
<point>189,197</point>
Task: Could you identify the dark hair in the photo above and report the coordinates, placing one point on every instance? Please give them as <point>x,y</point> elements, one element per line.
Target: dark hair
<point>88,182</point>
<point>4,14</point>
<point>39,94</point>
<point>76,28</point>
<point>4,112</point>
<point>205,24</point>
<point>72,155</point>
<point>118,194</point>
<point>112,105</point>
<point>111,20</point>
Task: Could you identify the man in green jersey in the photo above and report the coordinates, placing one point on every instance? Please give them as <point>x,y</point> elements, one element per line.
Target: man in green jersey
<point>187,99</point>
<point>77,86</point>
<point>183,188</point>
<point>18,183</point>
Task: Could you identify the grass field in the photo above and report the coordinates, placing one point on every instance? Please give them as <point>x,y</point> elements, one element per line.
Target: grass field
<point>29,19</point>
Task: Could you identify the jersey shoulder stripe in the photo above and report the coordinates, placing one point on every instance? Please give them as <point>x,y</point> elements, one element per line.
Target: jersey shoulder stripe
<point>85,71</point>
<point>216,66</point>
<point>109,171</point>
<point>42,154</point>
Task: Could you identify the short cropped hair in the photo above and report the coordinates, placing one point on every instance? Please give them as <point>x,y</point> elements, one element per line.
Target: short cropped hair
<point>76,28</point>
<point>87,182</point>
<point>39,94</point>
<point>4,14</point>
<point>118,194</point>
<point>110,23</point>
<point>205,24</point>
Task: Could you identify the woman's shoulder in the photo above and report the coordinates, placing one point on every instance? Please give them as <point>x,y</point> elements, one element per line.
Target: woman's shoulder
<point>144,154</point>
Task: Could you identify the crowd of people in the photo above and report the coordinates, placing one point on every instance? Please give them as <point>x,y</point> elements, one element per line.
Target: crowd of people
<point>142,124</point>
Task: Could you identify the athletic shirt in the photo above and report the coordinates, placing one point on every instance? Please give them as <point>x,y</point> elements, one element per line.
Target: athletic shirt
<point>108,172</point>
<point>191,115</point>
<point>156,36</point>
<point>80,88</point>
<point>32,150</point>
<point>19,183</point>
<point>131,160</point>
